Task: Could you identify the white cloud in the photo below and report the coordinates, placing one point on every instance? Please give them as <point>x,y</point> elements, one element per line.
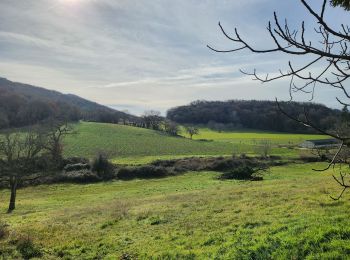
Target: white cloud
<point>137,53</point>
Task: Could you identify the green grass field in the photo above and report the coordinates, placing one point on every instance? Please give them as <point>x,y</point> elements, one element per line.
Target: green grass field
<point>252,136</point>
<point>125,143</point>
<point>131,145</point>
<point>289,215</point>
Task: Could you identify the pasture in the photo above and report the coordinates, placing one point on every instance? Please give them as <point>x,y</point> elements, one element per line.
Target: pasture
<point>125,143</point>
<point>288,215</point>
<point>131,145</point>
<point>252,136</point>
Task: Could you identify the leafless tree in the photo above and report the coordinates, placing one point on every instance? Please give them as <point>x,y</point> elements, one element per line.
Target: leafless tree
<point>55,133</point>
<point>263,148</point>
<point>18,153</point>
<point>330,51</point>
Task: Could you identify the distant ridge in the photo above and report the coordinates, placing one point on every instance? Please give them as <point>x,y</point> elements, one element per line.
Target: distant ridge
<point>34,92</point>
<point>23,104</point>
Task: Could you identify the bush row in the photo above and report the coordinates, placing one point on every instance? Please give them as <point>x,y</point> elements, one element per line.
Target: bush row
<point>80,170</point>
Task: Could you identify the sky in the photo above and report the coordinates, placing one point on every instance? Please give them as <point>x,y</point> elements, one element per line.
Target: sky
<point>139,55</point>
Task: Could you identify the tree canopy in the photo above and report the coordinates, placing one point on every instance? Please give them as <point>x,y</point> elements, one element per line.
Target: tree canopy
<point>253,114</point>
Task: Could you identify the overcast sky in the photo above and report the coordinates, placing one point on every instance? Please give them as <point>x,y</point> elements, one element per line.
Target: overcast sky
<point>138,54</point>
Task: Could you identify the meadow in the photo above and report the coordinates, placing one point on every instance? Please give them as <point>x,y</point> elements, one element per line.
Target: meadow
<point>131,145</point>
<point>288,215</point>
<point>249,136</point>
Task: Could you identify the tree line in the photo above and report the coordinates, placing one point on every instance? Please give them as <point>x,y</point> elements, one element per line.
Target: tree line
<point>263,115</point>
<point>152,119</point>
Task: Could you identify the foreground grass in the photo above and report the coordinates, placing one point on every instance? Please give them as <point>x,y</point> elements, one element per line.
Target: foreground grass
<point>289,215</point>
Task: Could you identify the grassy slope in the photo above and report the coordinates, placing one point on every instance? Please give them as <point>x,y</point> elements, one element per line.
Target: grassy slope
<point>194,215</point>
<point>131,145</point>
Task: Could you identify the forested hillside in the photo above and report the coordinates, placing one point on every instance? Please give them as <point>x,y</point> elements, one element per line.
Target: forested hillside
<point>254,114</point>
<point>22,105</point>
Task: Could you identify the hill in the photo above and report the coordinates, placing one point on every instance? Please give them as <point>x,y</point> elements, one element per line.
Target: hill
<point>22,104</point>
<point>253,114</point>
<point>132,144</point>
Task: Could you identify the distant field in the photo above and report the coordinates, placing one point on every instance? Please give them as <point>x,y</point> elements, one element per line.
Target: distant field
<point>289,215</point>
<point>125,142</point>
<point>131,145</point>
<point>251,136</point>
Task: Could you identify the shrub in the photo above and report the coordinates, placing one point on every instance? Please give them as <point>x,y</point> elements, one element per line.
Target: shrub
<point>221,164</point>
<point>81,176</point>
<point>164,163</point>
<point>126,174</point>
<point>26,247</point>
<point>149,171</point>
<point>76,167</point>
<point>214,163</point>
<point>144,172</point>
<point>103,167</point>
<point>242,173</point>
<point>307,156</point>
<point>75,160</point>
<point>309,159</point>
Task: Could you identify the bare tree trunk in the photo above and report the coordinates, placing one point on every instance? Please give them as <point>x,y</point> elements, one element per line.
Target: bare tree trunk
<point>56,153</point>
<point>13,184</point>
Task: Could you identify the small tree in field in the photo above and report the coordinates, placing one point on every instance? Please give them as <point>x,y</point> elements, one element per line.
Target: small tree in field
<point>54,137</point>
<point>19,153</point>
<point>191,130</point>
<point>263,148</point>
<point>102,166</point>
<point>171,128</point>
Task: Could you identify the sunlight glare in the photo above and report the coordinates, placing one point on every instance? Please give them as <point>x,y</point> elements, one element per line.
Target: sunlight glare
<point>71,2</point>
